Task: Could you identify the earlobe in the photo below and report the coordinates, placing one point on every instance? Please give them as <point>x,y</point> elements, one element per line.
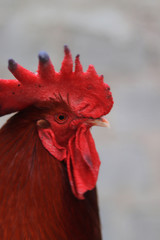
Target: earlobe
<point>43,123</point>
<point>48,140</point>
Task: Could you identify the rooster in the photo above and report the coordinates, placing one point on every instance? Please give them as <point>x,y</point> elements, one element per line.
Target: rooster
<point>48,161</point>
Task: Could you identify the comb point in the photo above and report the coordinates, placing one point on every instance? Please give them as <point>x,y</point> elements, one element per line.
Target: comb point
<point>67,64</point>
<point>101,77</point>
<point>78,66</point>
<point>66,50</point>
<point>12,65</point>
<point>91,70</point>
<point>43,57</point>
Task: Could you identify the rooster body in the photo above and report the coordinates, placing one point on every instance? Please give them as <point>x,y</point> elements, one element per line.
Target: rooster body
<point>48,162</point>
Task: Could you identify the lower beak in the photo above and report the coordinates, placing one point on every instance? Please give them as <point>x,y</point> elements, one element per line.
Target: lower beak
<point>101,122</point>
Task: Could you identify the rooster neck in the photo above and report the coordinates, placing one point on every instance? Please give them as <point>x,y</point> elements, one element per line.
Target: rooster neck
<point>36,201</point>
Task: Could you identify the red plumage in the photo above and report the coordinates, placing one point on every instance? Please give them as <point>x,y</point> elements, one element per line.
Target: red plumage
<point>48,159</point>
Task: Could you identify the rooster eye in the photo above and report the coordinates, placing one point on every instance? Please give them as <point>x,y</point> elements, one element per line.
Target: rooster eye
<point>61,117</point>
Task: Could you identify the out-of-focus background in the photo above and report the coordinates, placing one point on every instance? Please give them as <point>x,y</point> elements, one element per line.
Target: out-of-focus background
<point>122,39</point>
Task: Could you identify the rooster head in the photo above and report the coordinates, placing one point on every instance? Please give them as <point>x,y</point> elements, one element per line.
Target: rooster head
<point>70,103</point>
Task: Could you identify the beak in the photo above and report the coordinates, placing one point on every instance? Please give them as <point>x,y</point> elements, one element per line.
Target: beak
<point>101,122</point>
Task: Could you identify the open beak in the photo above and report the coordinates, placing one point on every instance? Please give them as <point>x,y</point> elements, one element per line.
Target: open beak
<point>101,122</point>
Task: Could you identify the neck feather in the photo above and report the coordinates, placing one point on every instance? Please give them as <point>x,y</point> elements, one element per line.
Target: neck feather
<point>36,201</point>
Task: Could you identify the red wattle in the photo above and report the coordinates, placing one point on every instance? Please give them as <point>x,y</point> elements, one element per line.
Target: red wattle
<point>81,158</point>
<point>83,162</point>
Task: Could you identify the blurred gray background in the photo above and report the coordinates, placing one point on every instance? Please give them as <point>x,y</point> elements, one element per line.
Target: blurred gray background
<point>122,39</point>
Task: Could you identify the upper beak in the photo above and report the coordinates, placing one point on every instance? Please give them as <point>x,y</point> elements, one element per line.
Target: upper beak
<point>102,122</point>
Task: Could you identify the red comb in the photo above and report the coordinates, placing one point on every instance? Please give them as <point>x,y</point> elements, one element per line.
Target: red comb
<point>86,92</point>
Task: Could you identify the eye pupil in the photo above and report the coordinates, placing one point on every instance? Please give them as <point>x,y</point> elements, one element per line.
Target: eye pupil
<point>61,117</point>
